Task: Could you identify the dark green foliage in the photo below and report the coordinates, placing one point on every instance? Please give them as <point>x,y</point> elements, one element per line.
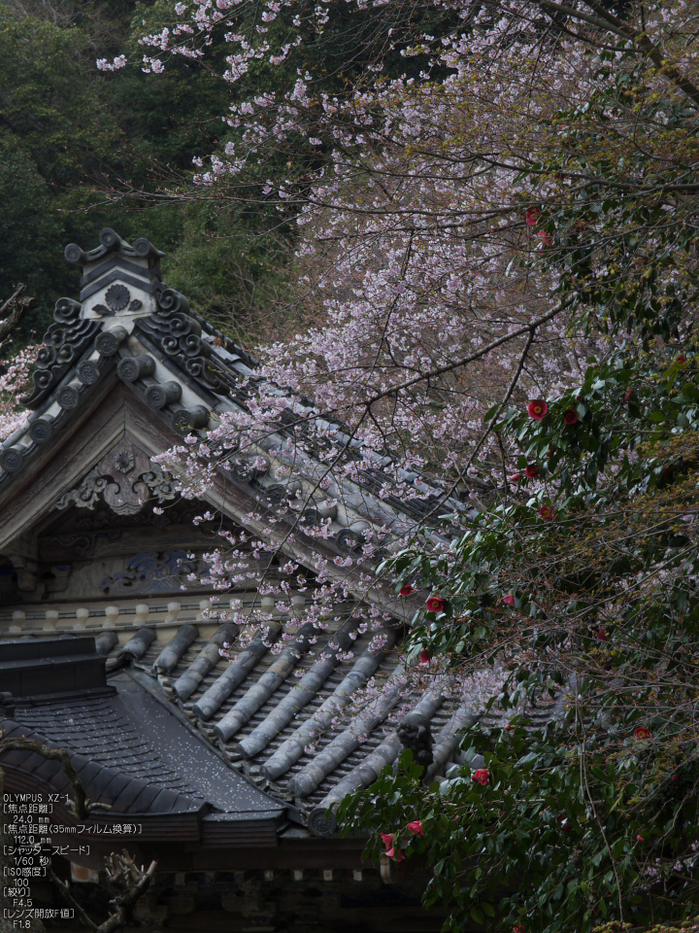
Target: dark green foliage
<point>81,150</point>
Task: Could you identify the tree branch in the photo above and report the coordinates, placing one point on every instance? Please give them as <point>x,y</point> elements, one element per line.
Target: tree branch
<point>15,308</point>
<point>604,19</point>
<point>121,868</point>
<point>476,355</point>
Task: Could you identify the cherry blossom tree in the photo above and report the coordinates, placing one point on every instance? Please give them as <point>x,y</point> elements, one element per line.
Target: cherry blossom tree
<point>420,176</point>
<point>496,213</point>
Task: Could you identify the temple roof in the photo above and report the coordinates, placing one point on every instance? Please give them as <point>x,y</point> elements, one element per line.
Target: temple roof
<point>128,329</point>
<point>272,732</point>
<point>293,723</point>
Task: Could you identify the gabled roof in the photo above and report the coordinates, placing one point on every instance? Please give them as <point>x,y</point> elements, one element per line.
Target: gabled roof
<point>129,329</point>
<point>122,375</point>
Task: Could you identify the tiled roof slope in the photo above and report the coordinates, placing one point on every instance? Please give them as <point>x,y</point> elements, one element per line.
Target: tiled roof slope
<point>291,718</point>
<point>131,753</point>
<point>298,724</point>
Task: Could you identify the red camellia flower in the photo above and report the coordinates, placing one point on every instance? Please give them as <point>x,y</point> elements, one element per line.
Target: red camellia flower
<point>406,590</point>
<point>532,471</point>
<point>642,732</point>
<point>509,600</point>
<point>546,513</point>
<point>518,928</point>
<point>602,634</point>
<point>395,854</point>
<point>416,827</point>
<point>629,395</point>
<point>545,237</point>
<point>532,216</point>
<point>436,604</point>
<point>537,409</point>
<point>639,837</point>
<point>387,839</point>
<point>424,656</point>
<point>516,477</point>
<point>481,776</point>
<point>681,359</point>
<point>570,416</point>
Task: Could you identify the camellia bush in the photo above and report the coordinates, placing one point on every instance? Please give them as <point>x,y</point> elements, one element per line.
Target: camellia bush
<point>579,579</point>
<point>585,593</point>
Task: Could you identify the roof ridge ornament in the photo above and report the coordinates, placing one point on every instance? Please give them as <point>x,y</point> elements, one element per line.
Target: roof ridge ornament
<point>126,320</point>
<point>116,275</point>
<point>111,242</point>
<point>64,344</point>
<point>120,283</point>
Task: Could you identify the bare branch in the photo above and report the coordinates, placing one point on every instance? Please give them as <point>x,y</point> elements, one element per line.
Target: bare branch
<point>15,308</point>
<point>123,871</point>
<point>606,20</point>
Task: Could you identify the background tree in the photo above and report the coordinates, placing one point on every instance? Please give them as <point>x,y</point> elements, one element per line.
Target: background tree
<point>16,373</point>
<point>82,150</point>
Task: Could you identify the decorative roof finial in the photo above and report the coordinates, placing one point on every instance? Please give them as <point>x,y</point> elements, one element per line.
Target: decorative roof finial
<point>108,271</point>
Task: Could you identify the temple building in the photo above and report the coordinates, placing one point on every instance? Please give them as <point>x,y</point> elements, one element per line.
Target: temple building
<point>224,758</point>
